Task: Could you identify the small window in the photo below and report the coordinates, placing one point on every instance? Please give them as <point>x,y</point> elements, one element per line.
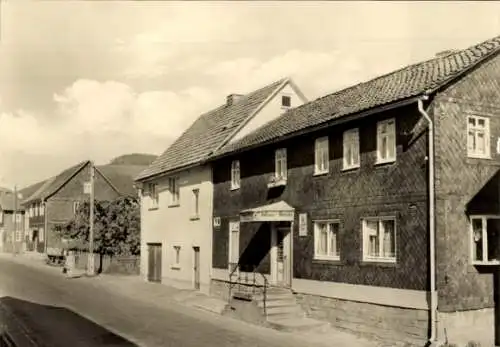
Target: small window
<point>153,195</point>
<point>478,137</point>
<point>379,239</point>
<point>321,156</point>
<point>196,203</point>
<point>235,174</point>
<point>327,240</point>
<point>234,243</point>
<point>286,101</point>
<point>173,188</point>
<point>41,235</point>
<point>386,141</point>
<point>280,164</point>
<point>351,149</point>
<point>484,240</point>
<point>177,256</point>
<point>76,206</point>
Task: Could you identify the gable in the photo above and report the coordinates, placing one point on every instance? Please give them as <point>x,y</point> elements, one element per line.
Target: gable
<point>271,110</point>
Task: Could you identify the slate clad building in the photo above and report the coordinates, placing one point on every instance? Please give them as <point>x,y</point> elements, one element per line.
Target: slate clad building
<point>377,205</point>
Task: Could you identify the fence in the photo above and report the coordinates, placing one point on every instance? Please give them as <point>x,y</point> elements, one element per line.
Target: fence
<point>125,265</point>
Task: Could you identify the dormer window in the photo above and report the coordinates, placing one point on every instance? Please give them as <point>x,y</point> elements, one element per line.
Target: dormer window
<point>286,101</point>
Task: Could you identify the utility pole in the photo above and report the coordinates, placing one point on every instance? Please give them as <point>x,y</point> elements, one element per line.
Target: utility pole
<point>14,235</point>
<point>91,222</point>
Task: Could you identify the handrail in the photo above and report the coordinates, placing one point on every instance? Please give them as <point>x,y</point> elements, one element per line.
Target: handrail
<point>233,283</point>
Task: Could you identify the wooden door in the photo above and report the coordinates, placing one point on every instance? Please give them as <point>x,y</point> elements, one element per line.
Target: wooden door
<point>196,267</point>
<point>154,262</point>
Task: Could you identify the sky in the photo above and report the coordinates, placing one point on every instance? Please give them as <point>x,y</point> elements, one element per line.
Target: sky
<point>94,80</point>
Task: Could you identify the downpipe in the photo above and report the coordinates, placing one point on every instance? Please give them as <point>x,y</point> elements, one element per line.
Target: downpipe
<point>432,224</point>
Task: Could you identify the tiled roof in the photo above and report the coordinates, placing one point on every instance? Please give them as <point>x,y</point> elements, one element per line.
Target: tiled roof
<point>410,81</point>
<point>208,132</point>
<point>53,184</point>
<point>30,190</point>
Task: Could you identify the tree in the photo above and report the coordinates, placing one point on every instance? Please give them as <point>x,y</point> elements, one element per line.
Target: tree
<point>116,227</point>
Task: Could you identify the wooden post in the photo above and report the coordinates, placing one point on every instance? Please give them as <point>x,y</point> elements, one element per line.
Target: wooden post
<point>91,270</point>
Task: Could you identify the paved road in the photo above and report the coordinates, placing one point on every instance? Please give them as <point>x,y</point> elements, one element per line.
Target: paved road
<point>137,322</point>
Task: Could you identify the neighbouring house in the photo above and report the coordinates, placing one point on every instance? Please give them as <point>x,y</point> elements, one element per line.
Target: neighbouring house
<point>12,222</point>
<point>55,201</point>
<point>177,192</point>
<point>377,206</point>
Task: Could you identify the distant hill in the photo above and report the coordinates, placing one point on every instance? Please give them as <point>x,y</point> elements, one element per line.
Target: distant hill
<point>136,159</point>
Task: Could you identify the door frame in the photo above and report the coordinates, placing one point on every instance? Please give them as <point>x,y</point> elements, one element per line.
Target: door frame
<point>196,267</point>
<point>287,256</point>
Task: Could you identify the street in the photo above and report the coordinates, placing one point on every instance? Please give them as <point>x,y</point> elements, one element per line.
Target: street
<point>136,321</point>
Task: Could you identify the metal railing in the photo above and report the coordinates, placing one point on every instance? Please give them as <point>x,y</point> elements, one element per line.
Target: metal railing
<point>240,279</point>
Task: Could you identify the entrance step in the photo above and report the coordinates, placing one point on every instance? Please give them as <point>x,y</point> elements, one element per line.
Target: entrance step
<point>285,311</point>
<point>296,323</point>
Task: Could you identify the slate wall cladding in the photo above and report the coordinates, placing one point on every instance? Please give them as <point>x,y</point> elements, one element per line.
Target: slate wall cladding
<point>459,180</point>
<point>397,189</point>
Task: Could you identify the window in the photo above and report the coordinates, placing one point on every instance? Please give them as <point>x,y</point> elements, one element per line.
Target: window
<point>177,257</point>
<point>18,234</point>
<point>234,243</point>
<point>327,240</point>
<point>386,141</point>
<point>196,198</point>
<point>478,137</point>
<point>280,164</point>
<point>41,235</point>
<point>76,205</point>
<point>37,210</point>
<point>379,239</point>
<point>351,149</point>
<point>173,188</point>
<point>153,195</point>
<point>286,101</point>
<point>1,217</point>
<point>484,240</point>
<point>321,156</point>
<point>19,218</point>
<point>235,174</point>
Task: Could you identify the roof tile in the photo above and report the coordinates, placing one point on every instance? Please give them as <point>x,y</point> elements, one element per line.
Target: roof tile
<point>404,83</point>
<point>208,132</point>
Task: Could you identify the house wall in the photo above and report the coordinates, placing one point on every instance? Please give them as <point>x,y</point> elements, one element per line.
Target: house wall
<point>273,109</point>
<point>59,207</point>
<point>8,228</point>
<point>398,189</point>
<point>174,226</point>
<point>461,286</point>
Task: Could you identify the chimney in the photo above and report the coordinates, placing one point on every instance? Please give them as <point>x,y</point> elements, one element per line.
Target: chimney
<point>232,99</point>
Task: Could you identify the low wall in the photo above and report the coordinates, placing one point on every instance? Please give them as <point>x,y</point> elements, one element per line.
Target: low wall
<point>124,265</point>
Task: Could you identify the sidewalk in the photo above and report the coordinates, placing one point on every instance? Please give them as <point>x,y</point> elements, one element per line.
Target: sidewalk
<point>161,295</point>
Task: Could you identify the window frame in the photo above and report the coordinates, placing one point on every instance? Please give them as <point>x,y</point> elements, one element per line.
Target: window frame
<point>176,263</point>
<point>153,195</point>
<point>196,197</point>
<point>487,134</point>
<point>365,239</point>
<point>391,123</point>
<point>321,147</point>
<point>327,256</point>
<point>286,97</point>
<point>174,191</point>
<point>484,237</point>
<point>232,229</point>
<point>235,175</point>
<point>350,138</point>
<point>280,156</point>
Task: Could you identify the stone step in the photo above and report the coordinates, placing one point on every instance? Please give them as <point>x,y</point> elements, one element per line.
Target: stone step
<point>289,311</point>
<point>271,297</point>
<point>277,303</point>
<point>296,323</point>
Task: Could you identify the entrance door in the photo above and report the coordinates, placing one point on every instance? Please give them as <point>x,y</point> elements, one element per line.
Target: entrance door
<point>196,267</point>
<point>281,244</point>
<point>154,262</point>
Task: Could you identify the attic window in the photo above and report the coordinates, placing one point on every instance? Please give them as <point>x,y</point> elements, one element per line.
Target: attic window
<point>286,101</point>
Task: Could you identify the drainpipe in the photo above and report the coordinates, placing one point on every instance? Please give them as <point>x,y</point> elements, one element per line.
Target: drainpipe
<point>432,231</point>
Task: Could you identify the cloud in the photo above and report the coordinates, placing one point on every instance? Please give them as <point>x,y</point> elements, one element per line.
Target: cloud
<point>98,120</point>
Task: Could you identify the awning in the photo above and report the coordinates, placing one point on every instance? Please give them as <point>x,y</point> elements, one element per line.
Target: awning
<point>277,212</point>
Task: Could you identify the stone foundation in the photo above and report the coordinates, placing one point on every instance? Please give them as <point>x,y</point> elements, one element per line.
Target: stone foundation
<point>464,326</point>
<point>389,324</point>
